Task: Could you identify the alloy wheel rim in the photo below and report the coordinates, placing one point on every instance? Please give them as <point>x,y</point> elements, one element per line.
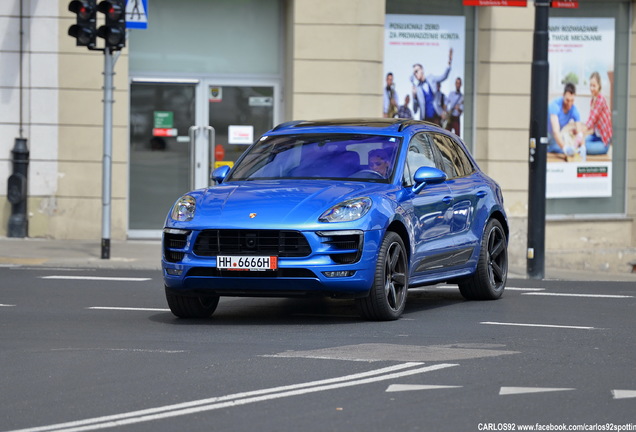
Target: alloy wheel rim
<point>395,277</point>
<point>497,258</point>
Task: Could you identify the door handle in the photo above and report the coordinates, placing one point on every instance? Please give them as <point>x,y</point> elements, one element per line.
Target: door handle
<point>481,194</point>
<point>447,200</point>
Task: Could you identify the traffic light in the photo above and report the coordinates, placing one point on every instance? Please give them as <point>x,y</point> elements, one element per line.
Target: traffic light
<point>114,29</point>
<point>84,28</point>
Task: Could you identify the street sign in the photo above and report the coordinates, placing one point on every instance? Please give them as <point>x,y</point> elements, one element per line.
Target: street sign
<point>517,3</point>
<point>137,14</point>
<point>567,4</point>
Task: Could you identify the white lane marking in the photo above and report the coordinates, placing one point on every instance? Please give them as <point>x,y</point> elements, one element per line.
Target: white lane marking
<point>159,351</point>
<point>523,390</point>
<point>524,289</point>
<point>537,325</point>
<point>415,387</point>
<point>98,278</point>
<point>508,288</point>
<point>578,295</point>
<point>624,394</point>
<point>238,399</point>
<point>441,287</point>
<point>4,305</point>
<point>50,269</point>
<point>128,309</point>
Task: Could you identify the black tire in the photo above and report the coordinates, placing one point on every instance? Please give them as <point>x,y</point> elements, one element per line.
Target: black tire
<point>489,280</point>
<point>192,307</point>
<point>387,297</point>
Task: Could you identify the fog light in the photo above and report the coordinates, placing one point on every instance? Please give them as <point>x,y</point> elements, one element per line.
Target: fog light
<point>340,273</point>
<point>174,272</point>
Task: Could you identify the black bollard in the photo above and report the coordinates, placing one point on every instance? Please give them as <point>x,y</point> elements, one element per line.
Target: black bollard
<point>17,190</point>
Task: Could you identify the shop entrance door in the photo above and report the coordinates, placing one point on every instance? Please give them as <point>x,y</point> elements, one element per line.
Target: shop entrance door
<point>180,131</point>
<point>239,115</point>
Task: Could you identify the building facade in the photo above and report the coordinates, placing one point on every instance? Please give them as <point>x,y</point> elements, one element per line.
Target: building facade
<point>206,78</point>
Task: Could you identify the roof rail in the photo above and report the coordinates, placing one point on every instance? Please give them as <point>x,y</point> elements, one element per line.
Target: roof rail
<point>409,122</point>
<point>287,124</point>
<point>406,123</point>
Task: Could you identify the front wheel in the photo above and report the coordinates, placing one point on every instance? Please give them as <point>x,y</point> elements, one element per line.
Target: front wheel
<point>387,297</point>
<point>192,307</point>
<point>489,280</point>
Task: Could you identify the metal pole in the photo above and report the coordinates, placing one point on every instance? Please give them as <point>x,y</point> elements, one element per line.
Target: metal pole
<point>538,143</point>
<point>108,150</point>
<point>212,151</point>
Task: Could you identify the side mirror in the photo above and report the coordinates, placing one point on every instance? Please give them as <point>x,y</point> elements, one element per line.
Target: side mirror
<point>219,174</point>
<point>427,175</point>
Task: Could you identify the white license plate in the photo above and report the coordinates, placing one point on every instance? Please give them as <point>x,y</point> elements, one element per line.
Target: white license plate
<point>231,262</point>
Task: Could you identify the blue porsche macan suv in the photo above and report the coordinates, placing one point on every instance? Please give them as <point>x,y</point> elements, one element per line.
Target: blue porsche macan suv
<point>357,208</point>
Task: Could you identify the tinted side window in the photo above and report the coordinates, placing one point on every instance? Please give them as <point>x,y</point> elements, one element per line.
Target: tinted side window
<point>420,154</point>
<point>455,162</point>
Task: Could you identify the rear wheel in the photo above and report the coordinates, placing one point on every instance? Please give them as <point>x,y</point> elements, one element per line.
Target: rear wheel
<point>489,280</point>
<point>387,297</point>
<point>192,307</point>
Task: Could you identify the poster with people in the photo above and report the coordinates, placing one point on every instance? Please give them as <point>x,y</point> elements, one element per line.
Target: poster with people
<point>424,59</point>
<point>581,57</point>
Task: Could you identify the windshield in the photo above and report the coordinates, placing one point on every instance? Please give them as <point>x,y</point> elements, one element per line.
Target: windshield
<point>323,156</point>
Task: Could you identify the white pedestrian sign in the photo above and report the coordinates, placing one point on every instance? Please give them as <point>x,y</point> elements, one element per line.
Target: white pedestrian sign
<point>137,14</point>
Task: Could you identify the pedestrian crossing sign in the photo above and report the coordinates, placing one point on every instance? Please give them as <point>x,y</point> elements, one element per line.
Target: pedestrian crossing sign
<point>137,14</point>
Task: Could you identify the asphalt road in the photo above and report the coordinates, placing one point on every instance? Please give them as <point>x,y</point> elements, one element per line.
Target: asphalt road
<point>90,350</point>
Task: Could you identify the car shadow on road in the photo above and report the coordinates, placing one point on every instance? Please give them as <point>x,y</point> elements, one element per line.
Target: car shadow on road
<point>308,311</point>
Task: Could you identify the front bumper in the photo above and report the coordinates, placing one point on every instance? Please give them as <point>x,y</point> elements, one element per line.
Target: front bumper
<point>334,265</point>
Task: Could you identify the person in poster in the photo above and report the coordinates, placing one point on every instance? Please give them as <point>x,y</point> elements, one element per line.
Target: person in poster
<point>439,103</point>
<point>455,106</point>
<point>599,122</point>
<point>564,135</point>
<point>404,112</point>
<point>390,98</point>
<point>424,89</point>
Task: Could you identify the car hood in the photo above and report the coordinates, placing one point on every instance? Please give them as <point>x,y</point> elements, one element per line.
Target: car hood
<point>271,204</point>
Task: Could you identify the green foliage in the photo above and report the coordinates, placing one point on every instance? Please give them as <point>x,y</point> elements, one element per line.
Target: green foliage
<point>570,78</point>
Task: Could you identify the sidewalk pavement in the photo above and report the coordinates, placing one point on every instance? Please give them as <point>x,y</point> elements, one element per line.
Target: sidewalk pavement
<point>146,255</point>
<point>38,252</point>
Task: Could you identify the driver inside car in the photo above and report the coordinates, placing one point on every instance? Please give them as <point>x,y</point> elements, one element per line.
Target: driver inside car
<point>379,161</point>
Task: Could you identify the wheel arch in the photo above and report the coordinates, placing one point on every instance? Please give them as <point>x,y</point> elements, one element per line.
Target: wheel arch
<point>398,227</point>
<point>498,214</point>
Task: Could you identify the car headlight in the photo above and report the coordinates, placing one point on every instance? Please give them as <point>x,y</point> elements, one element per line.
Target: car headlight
<point>347,211</point>
<point>184,208</point>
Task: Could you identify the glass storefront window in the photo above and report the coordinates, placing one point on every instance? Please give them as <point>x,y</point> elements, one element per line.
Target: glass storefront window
<point>603,29</point>
<point>209,37</point>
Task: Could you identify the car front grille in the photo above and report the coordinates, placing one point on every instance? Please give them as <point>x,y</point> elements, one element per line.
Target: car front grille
<point>254,242</point>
